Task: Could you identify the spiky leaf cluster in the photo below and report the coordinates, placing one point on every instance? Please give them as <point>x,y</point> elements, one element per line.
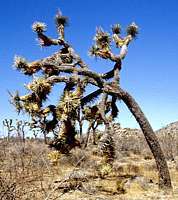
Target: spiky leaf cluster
<point>20,63</point>
<point>61,20</point>
<point>15,100</point>
<point>31,107</point>
<point>67,107</point>
<point>102,44</point>
<point>91,112</point>
<point>39,27</point>
<point>27,103</point>
<point>132,30</point>
<point>40,87</point>
<point>102,39</point>
<point>116,29</point>
<point>93,50</point>
<point>31,103</point>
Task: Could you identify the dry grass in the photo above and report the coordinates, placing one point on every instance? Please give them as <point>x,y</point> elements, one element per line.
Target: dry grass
<point>28,172</point>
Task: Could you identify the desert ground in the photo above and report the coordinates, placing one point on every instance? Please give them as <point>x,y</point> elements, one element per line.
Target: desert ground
<point>30,170</point>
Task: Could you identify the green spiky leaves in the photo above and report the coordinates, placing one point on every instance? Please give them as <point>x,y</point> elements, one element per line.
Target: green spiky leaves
<point>41,87</point>
<point>102,38</point>
<point>61,20</point>
<point>15,100</point>
<point>61,23</point>
<point>39,27</point>
<point>116,29</point>
<point>93,51</point>
<point>132,30</point>
<point>101,47</point>
<point>21,64</point>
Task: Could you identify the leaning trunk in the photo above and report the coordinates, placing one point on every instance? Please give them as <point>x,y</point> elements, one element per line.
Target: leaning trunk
<point>151,138</point>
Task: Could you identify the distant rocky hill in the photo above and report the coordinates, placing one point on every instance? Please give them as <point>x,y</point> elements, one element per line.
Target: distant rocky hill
<point>168,137</point>
<point>133,140</point>
<point>171,128</point>
<point>126,131</point>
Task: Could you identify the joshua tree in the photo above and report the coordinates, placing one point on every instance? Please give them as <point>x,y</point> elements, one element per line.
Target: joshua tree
<point>8,124</point>
<point>77,77</point>
<point>19,127</point>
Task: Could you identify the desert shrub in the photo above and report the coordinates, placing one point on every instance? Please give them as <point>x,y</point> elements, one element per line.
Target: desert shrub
<point>7,189</point>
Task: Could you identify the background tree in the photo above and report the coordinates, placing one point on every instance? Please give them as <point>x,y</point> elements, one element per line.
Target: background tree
<point>19,127</point>
<point>7,123</point>
<point>77,77</point>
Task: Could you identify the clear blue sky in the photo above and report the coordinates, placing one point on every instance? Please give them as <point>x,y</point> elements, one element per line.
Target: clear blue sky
<point>149,71</point>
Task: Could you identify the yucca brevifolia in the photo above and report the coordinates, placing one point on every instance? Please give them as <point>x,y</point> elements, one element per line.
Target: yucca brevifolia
<point>19,127</point>
<point>66,61</point>
<point>9,125</point>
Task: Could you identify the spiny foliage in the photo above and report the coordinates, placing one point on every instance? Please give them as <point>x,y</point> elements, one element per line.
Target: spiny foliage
<point>60,19</point>
<point>116,29</point>
<point>39,27</point>
<point>132,30</point>
<point>73,101</point>
<point>41,87</point>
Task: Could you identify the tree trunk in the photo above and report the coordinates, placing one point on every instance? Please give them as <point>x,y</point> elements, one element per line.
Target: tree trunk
<point>88,134</point>
<point>151,138</point>
<point>81,131</point>
<point>45,137</point>
<point>94,136</point>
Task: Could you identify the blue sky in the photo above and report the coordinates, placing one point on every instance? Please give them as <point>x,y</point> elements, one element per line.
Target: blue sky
<point>149,71</point>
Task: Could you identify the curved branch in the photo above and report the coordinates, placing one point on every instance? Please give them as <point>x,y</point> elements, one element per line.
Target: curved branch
<point>67,68</point>
<point>47,41</point>
<point>151,138</point>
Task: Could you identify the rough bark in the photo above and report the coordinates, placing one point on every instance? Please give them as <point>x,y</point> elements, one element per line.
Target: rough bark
<point>151,138</point>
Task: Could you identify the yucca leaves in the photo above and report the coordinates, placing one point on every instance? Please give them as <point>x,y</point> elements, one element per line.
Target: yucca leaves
<point>116,29</point>
<point>101,37</point>
<point>39,27</point>
<point>20,63</point>
<point>40,87</point>
<point>15,101</point>
<point>132,30</point>
<point>93,50</point>
<point>60,19</point>
<point>102,40</point>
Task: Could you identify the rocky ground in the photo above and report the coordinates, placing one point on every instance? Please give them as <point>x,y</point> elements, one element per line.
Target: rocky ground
<point>32,171</point>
